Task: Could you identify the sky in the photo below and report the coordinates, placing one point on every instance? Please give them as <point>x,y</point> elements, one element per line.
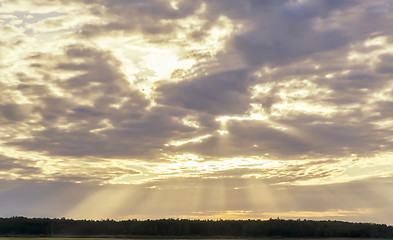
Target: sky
<point>219,109</point>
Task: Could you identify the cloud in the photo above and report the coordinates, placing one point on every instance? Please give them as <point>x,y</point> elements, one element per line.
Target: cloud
<point>289,100</point>
<point>222,93</point>
<point>288,33</point>
<point>21,167</point>
<point>316,125</point>
<point>15,112</point>
<point>88,105</point>
<point>384,65</point>
<point>153,17</point>
<point>105,115</point>
<point>39,7</point>
<point>197,198</point>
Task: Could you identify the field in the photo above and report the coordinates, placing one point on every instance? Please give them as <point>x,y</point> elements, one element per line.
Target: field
<point>72,238</point>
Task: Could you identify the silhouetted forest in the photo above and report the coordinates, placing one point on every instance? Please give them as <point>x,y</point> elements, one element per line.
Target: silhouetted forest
<point>192,228</point>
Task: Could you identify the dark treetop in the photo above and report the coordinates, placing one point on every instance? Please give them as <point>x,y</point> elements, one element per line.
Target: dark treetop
<point>192,228</point>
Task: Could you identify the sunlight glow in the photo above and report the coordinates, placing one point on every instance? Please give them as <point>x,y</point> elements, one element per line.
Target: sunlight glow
<point>378,46</point>
<point>302,107</point>
<point>225,119</point>
<point>384,124</point>
<point>247,214</point>
<point>174,4</point>
<point>193,140</point>
<point>164,61</point>
<point>101,204</point>
<point>105,123</point>
<point>222,132</point>
<point>377,41</point>
<point>191,122</point>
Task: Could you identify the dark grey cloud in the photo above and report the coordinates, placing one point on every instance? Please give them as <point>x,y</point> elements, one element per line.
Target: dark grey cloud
<point>15,112</point>
<point>140,16</point>
<point>222,93</point>
<point>306,135</point>
<point>258,51</point>
<point>268,99</point>
<point>252,138</point>
<point>385,64</point>
<point>287,33</point>
<point>385,108</point>
<point>18,166</point>
<point>156,9</point>
<point>241,10</point>
<point>344,138</point>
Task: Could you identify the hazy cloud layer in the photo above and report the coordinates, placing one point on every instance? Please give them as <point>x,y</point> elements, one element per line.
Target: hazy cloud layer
<point>143,93</point>
<point>356,201</point>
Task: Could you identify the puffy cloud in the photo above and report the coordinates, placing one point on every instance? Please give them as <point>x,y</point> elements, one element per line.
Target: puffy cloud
<point>105,115</point>
<point>153,17</point>
<point>12,166</point>
<point>218,94</point>
<point>288,32</point>
<point>15,112</point>
<point>384,65</point>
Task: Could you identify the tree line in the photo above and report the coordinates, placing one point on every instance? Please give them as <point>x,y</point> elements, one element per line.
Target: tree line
<point>16,226</point>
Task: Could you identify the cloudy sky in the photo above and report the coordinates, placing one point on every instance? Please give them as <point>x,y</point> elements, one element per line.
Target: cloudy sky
<point>229,109</point>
